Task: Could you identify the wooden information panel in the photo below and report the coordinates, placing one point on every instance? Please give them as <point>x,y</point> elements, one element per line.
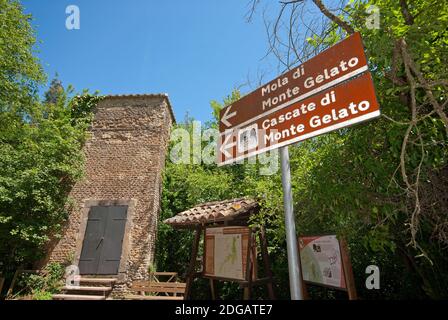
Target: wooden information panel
<point>225,255</point>
<point>326,262</point>
<point>321,261</point>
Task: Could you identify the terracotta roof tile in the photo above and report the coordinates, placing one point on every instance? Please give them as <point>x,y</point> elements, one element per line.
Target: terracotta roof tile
<point>213,212</point>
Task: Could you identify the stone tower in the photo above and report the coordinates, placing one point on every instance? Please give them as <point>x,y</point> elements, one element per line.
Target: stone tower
<point>112,229</point>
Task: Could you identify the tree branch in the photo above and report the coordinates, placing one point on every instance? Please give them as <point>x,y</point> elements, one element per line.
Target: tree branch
<point>408,18</point>
<point>344,25</point>
<point>410,62</point>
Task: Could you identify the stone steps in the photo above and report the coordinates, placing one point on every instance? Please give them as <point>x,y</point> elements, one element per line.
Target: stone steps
<point>98,281</point>
<point>141,297</point>
<point>88,289</point>
<point>77,297</point>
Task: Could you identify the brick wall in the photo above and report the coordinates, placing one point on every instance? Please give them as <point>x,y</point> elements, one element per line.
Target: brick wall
<point>124,160</point>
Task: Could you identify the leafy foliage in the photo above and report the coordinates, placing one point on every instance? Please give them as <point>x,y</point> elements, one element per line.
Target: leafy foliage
<point>41,160</point>
<point>40,286</point>
<point>20,71</point>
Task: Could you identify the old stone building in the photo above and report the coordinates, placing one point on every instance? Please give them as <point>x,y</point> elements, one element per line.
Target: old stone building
<point>112,229</point>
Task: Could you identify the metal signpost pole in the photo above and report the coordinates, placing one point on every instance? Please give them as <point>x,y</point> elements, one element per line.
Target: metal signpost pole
<point>295,282</point>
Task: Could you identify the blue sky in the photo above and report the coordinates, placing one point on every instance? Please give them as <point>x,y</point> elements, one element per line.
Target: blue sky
<point>196,50</point>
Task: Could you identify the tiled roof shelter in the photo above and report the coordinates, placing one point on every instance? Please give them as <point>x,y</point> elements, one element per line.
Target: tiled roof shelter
<point>232,214</point>
<point>214,212</point>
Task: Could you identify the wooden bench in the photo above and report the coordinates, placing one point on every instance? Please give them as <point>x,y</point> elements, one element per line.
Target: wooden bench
<point>157,290</point>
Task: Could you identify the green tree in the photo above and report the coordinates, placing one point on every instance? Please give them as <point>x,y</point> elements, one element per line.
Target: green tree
<point>20,70</point>
<point>55,91</point>
<point>40,144</point>
<point>41,160</point>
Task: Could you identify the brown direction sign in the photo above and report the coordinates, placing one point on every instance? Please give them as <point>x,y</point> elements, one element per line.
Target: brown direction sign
<point>340,62</point>
<point>337,107</point>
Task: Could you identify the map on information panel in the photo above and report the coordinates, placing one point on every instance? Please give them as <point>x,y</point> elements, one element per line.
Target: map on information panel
<point>228,257</point>
<point>224,248</point>
<point>321,261</point>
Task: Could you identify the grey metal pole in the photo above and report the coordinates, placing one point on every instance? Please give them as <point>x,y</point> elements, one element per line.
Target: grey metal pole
<point>295,282</point>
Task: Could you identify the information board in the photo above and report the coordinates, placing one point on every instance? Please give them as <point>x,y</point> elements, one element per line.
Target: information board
<point>321,261</point>
<point>226,252</point>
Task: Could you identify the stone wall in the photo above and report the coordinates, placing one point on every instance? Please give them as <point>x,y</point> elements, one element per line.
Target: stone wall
<point>125,157</point>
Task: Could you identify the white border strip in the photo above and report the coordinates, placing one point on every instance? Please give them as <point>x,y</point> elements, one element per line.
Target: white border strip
<point>303,96</point>
<point>347,123</point>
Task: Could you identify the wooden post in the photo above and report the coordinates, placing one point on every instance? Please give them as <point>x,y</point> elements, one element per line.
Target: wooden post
<point>2,281</point>
<point>213,289</point>
<point>348,271</point>
<point>267,263</point>
<point>254,259</point>
<point>192,266</point>
<point>248,286</point>
<point>305,293</point>
<point>13,282</point>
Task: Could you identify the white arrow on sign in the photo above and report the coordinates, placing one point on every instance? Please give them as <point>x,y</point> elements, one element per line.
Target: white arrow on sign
<point>227,116</point>
<point>226,145</point>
